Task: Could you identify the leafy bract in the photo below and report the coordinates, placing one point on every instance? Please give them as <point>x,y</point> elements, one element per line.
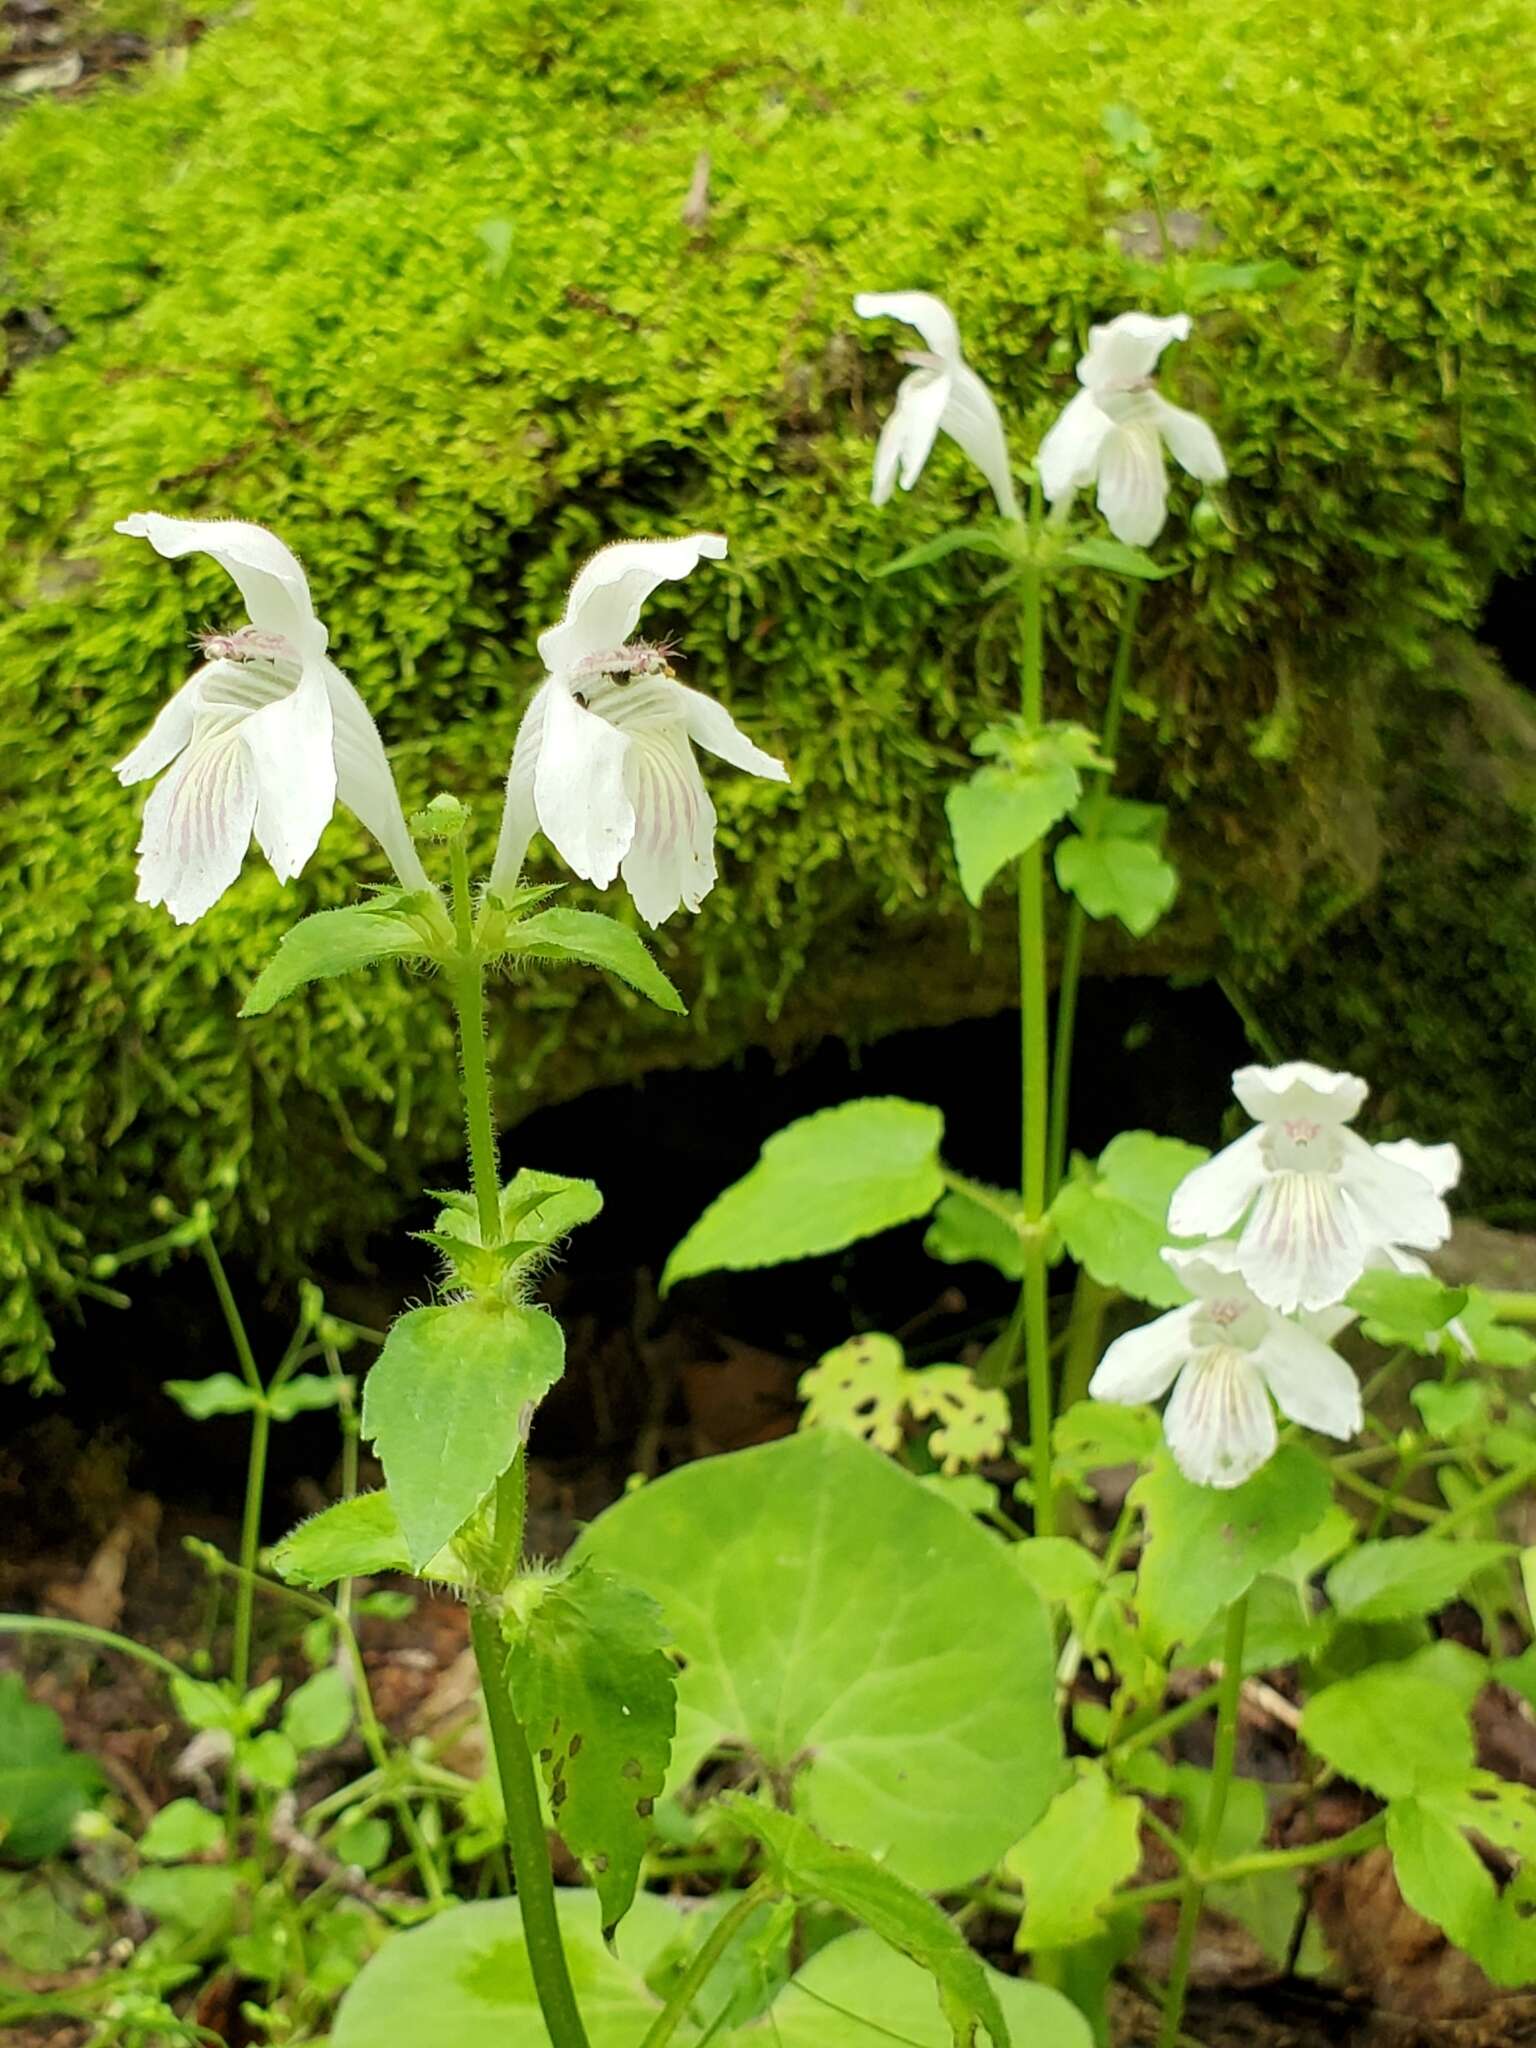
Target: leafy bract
<point>43,1782</point>
<point>964,1228</point>
<point>444,1407</point>
<point>916,1722</point>
<point>820,1184</point>
<point>1118,558</point>
<point>594,1688</point>
<point>336,942</point>
<point>1206,1545</point>
<point>1115,876</point>
<point>1073,1861</point>
<point>1113,1214</point>
<point>1407,1575</point>
<point>591,939</point>
<point>997,540</point>
<point>1032,780</point>
<point>818,1872</point>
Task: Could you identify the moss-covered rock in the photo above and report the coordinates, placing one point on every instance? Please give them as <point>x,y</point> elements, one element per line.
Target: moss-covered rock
<point>412,285</point>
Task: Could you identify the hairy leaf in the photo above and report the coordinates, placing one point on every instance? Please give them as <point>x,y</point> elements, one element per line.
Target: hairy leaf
<point>592,940</point>
<point>334,942</point>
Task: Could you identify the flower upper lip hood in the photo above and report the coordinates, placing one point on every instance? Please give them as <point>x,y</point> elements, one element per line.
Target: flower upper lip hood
<point>942,392</point>
<point>259,741</point>
<point>1114,431</point>
<point>604,764</point>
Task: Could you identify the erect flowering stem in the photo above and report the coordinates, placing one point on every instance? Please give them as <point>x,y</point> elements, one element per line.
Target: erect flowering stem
<point>1077,919</point>
<point>1204,1859</point>
<point>474,1067</point>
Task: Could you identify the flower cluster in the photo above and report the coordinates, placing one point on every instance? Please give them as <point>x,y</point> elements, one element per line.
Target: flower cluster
<point>1296,1211</point>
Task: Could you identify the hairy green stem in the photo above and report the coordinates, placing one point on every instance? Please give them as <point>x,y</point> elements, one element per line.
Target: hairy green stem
<point>688,1986</point>
<point>474,1066</point>
<point>1077,922</point>
<point>1228,1694</point>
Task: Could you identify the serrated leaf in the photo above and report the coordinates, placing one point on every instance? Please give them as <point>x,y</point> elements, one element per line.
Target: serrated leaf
<point>221,1393</point>
<point>596,1691</point>
<point>537,1210</point>
<point>1409,1309</point>
<point>895,1708</point>
<point>350,1539</point>
<point>1073,1861</point>
<point>1391,1729</point>
<point>334,942</point>
<point>1113,1214</point>
<point>319,1712</point>
<point>820,1184</point>
<point>964,1229</point>
<point>443,1407</point>
<point>43,1782</point>
<point>1442,1876</point>
<point>1117,877</point>
<point>1206,1545</point>
<point>592,940</point>
<point>1404,1576</point>
<point>1118,559</point>
<point>819,1872</point>
<point>1004,809</point>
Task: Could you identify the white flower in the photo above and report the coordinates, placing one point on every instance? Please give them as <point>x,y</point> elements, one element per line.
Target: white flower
<point>943,391</point>
<point>1115,430</point>
<point>1324,1202</point>
<point>604,764</point>
<point>1229,1353</point>
<point>262,739</point>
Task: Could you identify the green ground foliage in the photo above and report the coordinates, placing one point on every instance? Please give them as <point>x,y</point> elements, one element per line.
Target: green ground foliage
<point>413,285</point>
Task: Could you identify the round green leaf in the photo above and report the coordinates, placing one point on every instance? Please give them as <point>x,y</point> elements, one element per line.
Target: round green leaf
<point>1113,1215</point>
<point>877,1650</point>
<point>1113,876</point>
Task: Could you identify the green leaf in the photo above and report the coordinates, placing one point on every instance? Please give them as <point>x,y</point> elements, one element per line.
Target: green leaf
<point>1410,1309</point>
<point>1057,1568</point>
<point>362,1842</point>
<point>306,1392</point>
<point>268,1760</point>
<point>1494,1342</point>
<point>963,1229</point>
<point>820,1184</point>
<point>595,1689</point>
<point>593,940</point>
<point>819,1872</point>
<point>1074,1860</point>
<point>214,1703</point>
<point>1113,1215</point>
<point>1115,877</point>
<point>193,1899</point>
<point>1407,1575</point>
<point>855,1993</point>
<point>1206,1545</point>
<point>179,1831</point>
<point>1118,559</point>
<point>977,540</point>
<point>37,1932</point>
<point>221,1393</point>
<point>1091,1435</point>
<point>335,942</point>
<point>43,1782</point>
<point>443,1407</point>
<point>1442,1876</point>
<point>1392,1729</point>
<point>1284,1627</point>
<point>1450,1411</point>
<point>861,1386</point>
<point>351,1538</point>
<point>319,1713</point>
<point>875,1713</point>
<point>1005,808</point>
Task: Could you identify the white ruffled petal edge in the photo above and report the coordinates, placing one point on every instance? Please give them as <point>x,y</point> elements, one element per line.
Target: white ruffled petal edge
<point>1210,1200</point>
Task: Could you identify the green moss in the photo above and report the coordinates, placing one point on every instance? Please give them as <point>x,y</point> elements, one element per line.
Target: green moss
<point>267,274</point>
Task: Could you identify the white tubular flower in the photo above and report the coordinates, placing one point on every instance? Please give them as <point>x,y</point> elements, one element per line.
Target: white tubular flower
<point>943,391</point>
<point>604,764</point>
<point>1228,1353</point>
<point>1323,1201</point>
<point>1114,432</point>
<point>262,739</point>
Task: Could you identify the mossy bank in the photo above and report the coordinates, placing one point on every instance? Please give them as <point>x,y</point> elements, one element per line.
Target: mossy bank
<point>414,285</point>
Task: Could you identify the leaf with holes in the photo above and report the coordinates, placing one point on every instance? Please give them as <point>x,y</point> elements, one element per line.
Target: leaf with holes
<point>919,1725</point>
<point>973,1420</point>
<point>595,1689</point>
<point>1442,1876</point>
<point>445,1405</point>
<point>860,1386</point>
<point>820,1184</point>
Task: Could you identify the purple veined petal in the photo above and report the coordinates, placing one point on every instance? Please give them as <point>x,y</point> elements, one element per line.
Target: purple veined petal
<point>1144,1363</point>
<point>1189,441</point>
<point>606,598</point>
<point>275,588</point>
<point>1068,459</point>
<point>1133,482</point>
<point>197,823</point>
<point>1302,1246</point>
<point>1395,1203</point>
<point>579,789</point>
<point>1219,1424</point>
<point>292,752</point>
<point>1309,1380</point>
<point>1299,1089</point>
<point>670,864</point>
<point>1440,1165</point>
<point>519,813</point>
<point>929,315</point>
<point>172,728</point>
<point>710,725</point>
<point>972,420</point>
<point>1214,1196</point>
<point>1125,350</point>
